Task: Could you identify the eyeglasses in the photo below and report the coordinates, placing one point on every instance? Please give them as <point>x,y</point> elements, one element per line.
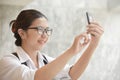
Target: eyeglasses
<point>42,30</point>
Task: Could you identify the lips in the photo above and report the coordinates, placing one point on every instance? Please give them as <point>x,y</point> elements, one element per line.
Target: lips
<point>41,41</point>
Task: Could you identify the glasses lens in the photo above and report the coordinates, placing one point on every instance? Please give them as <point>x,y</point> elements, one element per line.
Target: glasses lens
<point>40,31</point>
<point>49,32</point>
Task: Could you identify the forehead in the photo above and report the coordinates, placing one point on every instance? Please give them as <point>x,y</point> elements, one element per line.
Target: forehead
<point>40,22</point>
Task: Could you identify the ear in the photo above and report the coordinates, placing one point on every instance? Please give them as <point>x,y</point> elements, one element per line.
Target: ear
<point>22,34</point>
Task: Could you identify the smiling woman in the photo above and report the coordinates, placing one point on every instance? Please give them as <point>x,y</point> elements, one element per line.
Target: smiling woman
<point>32,31</point>
<point>71,19</point>
<point>68,20</point>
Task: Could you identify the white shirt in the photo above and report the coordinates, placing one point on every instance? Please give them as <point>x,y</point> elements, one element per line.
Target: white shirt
<point>12,69</point>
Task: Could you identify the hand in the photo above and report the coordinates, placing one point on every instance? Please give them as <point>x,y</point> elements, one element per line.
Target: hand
<point>77,46</point>
<point>96,31</point>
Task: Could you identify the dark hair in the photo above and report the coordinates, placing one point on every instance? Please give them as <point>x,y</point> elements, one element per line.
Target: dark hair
<point>23,21</point>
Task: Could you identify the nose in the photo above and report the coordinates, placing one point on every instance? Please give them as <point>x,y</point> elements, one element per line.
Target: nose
<point>44,35</point>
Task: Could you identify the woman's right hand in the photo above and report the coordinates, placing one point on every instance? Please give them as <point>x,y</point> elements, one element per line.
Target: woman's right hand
<point>77,46</point>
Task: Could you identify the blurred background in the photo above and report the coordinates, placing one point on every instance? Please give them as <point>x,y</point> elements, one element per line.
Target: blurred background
<point>67,18</point>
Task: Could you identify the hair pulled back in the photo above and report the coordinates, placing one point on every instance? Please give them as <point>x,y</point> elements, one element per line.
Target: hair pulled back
<point>23,21</point>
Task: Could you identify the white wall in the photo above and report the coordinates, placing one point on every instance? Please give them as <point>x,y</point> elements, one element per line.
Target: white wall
<point>9,9</point>
<point>7,13</point>
<point>67,18</point>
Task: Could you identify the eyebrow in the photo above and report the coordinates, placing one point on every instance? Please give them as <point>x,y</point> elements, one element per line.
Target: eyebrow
<point>42,27</point>
<point>38,27</point>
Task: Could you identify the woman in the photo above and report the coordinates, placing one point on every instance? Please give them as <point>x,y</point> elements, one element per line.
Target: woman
<point>27,63</point>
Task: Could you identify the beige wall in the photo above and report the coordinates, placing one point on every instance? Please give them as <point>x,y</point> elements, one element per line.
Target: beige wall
<point>9,9</point>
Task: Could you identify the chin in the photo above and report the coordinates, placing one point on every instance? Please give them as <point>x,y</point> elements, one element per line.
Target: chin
<point>40,47</point>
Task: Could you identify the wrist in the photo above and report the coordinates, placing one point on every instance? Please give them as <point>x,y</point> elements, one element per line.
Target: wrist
<point>94,44</point>
<point>71,51</point>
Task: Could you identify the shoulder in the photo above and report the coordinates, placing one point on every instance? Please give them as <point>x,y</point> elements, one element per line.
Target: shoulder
<point>10,65</point>
<point>8,60</point>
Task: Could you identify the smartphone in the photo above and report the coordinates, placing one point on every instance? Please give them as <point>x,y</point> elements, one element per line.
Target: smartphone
<point>89,19</point>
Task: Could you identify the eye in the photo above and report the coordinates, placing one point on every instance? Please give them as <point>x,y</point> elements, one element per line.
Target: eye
<point>49,31</point>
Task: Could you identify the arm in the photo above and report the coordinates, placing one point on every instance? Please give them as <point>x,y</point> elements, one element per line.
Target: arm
<point>50,70</point>
<point>82,63</point>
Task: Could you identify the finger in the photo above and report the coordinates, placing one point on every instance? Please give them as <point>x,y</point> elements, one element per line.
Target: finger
<point>84,44</point>
<point>95,24</point>
<point>96,34</point>
<point>79,38</point>
<point>82,35</point>
<point>86,38</point>
<point>95,30</point>
<point>83,38</point>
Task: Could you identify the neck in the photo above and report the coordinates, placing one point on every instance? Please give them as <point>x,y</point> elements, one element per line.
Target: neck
<point>30,51</point>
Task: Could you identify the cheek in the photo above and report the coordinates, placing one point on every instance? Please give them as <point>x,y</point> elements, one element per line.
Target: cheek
<point>34,38</point>
<point>46,39</point>
<point>31,38</point>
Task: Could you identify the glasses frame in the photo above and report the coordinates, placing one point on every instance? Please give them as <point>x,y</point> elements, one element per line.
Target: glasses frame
<point>43,30</point>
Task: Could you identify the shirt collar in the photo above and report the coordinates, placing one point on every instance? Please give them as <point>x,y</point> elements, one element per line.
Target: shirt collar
<point>40,56</point>
<point>23,56</point>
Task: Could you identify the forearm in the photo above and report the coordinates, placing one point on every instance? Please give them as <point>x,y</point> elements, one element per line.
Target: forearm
<point>96,31</point>
<point>50,70</point>
<point>82,63</point>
